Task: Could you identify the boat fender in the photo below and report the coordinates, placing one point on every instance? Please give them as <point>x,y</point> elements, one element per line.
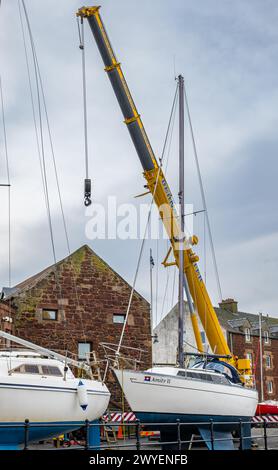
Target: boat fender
<point>82,395</point>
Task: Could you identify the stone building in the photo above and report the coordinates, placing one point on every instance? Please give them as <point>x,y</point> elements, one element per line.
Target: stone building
<point>6,321</point>
<point>241,330</point>
<point>76,305</point>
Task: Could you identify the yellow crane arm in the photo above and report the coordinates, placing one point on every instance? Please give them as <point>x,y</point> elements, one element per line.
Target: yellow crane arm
<point>158,186</point>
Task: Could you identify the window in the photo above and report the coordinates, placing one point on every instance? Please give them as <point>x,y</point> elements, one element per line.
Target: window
<point>51,370</point>
<point>118,318</point>
<point>37,369</point>
<point>219,367</point>
<point>268,361</point>
<point>269,385</point>
<point>247,335</point>
<point>48,314</point>
<point>266,337</point>
<point>84,350</point>
<point>181,373</point>
<point>31,369</point>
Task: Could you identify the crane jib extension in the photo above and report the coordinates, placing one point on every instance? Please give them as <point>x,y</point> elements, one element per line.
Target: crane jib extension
<point>158,186</point>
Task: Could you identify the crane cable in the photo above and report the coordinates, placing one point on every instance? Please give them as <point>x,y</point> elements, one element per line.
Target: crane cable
<point>117,354</point>
<point>87,181</point>
<point>203,196</point>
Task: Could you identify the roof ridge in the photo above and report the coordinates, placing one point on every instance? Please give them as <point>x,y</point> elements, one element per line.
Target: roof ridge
<point>33,280</point>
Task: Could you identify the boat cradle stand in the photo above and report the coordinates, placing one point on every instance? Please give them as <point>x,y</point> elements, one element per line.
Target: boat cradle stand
<point>221,440</point>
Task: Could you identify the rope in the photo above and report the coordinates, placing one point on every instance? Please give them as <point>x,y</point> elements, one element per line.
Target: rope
<point>8,180</point>
<point>203,196</point>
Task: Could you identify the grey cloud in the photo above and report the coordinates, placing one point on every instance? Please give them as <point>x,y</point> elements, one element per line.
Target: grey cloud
<point>227,51</point>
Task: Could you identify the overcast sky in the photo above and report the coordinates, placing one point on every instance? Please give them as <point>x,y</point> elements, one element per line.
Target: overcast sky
<point>227,51</point>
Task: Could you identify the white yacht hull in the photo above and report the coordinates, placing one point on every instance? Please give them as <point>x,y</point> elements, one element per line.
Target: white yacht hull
<point>51,406</point>
<point>162,398</point>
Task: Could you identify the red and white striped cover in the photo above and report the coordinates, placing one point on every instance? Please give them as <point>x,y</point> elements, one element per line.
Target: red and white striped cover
<point>267,419</point>
<point>126,417</point>
<point>129,417</point>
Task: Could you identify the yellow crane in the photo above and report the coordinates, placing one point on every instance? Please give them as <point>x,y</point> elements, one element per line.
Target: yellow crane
<point>158,187</point>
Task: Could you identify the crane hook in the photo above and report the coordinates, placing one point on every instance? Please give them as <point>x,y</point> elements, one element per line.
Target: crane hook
<point>87,192</point>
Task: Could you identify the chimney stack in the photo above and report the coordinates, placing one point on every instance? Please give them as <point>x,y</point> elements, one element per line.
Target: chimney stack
<point>229,304</point>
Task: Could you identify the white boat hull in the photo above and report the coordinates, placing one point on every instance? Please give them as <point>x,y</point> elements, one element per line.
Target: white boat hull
<point>51,406</point>
<point>156,397</point>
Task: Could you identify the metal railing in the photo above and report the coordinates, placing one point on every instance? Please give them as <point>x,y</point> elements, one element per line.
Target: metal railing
<point>134,440</point>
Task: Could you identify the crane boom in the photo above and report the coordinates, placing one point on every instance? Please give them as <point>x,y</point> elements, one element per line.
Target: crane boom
<point>158,186</point>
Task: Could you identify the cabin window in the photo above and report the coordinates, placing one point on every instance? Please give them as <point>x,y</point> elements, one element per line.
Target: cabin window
<point>37,369</point>
<point>247,335</point>
<point>49,314</point>
<point>268,361</point>
<point>31,369</point>
<point>84,350</point>
<point>181,373</point>
<point>266,337</point>
<point>219,379</point>
<point>118,318</point>
<point>51,370</point>
<point>18,370</point>
<point>269,385</point>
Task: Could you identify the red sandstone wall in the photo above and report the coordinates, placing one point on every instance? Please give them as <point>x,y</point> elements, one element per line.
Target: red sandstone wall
<point>241,347</point>
<point>87,295</point>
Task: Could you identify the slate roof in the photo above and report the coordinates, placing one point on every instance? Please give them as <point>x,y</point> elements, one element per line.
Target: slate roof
<point>234,321</point>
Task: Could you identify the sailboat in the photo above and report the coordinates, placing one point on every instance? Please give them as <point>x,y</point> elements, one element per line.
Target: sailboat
<point>212,388</point>
<point>209,390</point>
<point>38,385</point>
<point>40,396</point>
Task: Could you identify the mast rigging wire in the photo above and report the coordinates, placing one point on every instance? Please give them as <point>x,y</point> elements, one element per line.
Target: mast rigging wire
<point>40,88</point>
<point>146,228</point>
<point>38,75</point>
<point>8,180</point>
<point>203,195</point>
<point>31,94</point>
<point>41,136</point>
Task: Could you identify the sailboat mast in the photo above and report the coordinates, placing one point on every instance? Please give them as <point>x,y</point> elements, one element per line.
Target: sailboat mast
<point>181,201</point>
<point>151,286</point>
